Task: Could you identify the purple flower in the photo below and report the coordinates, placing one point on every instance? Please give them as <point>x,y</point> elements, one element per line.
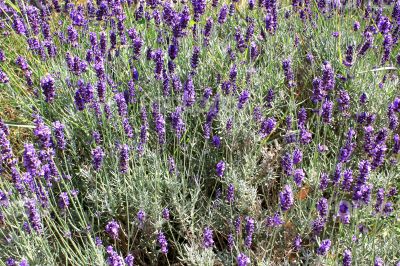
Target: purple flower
<point>297,243</point>
<point>254,52</point>
<point>124,159</point>
<point>63,200</point>
<point>305,136</point>
<point>348,61</point>
<point>318,225</point>
<point>286,198</point>
<point>159,124</point>
<point>97,157</point>
<point>343,100</point>
<point>18,25</point>
<point>298,177</point>
<point>347,258</point>
<point>322,207</point>
<point>59,134</point>
<point>230,195</point>
<point>274,221</point>
<point>380,196</point>
<point>208,237</point>
<point>324,247</point>
<point>243,98</point>
<point>356,26</point>
<point>31,161</point>
<point>369,38</point>
<point>177,123</point>
<point>194,61</point>
<point>10,262</point>
<point>289,76</point>
<point>121,104</point>
<point>3,77</point>
<point>287,164</point>
<point>387,209</point>
<point>33,215</point>
<point>347,179</point>
<point>249,231</point>
<point>326,112</point>
<point>23,262</point>
<point>216,141</point>
<point>328,77</point>
<point>297,156</point>
<point>162,242</point>
<point>189,93</point>
<point>165,213</point>
<point>242,260</point>
<point>220,168</point>
<point>324,181</point>
<point>267,126</point>
<point>379,262</point>
<point>72,35</point>
<point>231,241</point>
<point>141,216</point>
<point>257,114</point>
<point>130,260</point>
<point>49,89</point>
<point>172,166</point>
<point>112,229</point>
<point>199,7</point>
<point>222,14</point>
<point>113,258</point>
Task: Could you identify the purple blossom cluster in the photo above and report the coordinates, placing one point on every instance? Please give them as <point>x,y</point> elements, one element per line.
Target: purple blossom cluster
<point>299,138</point>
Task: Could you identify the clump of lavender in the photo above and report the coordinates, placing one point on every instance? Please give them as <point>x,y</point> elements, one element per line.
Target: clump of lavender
<point>289,75</point>
<point>274,221</point>
<point>113,258</point>
<point>165,214</point>
<point>112,229</point>
<point>33,216</point>
<point>130,260</point>
<point>3,77</point>
<point>141,216</point>
<point>367,43</point>
<point>222,14</point>
<point>250,225</point>
<point>298,177</point>
<point>97,158</point>
<point>324,247</point>
<point>124,158</point>
<point>348,60</point>
<point>177,122</point>
<point>63,200</point>
<point>267,126</point>
<point>230,195</point>
<point>286,198</point>
<point>242,260</point>
<point>59,129</point>
<point>48,86</point>
<point>328,77</point>
<point>208,241</point>
<point>162,242</point>
<point>189,93</point>
<point>347,258</point>
<point>387,48</point>
<point>326,111</point>
<point>220,168</point>
<point>194,61</point>
<point>243,98</point>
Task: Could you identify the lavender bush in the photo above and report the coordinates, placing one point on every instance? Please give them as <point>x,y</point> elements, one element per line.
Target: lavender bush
<point>200,133</point>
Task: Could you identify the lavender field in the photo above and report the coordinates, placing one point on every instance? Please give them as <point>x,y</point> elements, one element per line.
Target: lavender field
<point>202,132</point>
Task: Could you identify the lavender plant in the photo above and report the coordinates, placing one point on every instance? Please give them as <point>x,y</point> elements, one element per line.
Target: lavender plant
<point>200,132</point>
